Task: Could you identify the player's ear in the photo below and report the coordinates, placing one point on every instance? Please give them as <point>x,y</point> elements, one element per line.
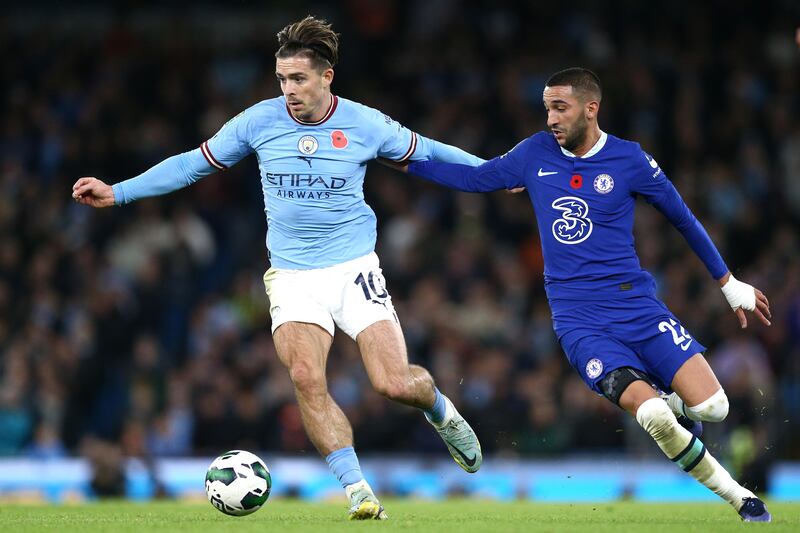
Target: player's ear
<point>327,77</point>
<point>591,108</point>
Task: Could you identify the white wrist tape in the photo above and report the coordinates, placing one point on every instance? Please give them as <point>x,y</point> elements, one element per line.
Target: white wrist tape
<point>739,294</point>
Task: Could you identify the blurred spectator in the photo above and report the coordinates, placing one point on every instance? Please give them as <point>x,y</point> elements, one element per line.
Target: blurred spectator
<point>46,443</point>
<point>107,467</point>
<point>15,421</point>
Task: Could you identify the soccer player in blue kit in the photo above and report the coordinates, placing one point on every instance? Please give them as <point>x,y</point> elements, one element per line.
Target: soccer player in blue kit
<point>312,148</point>
<point>623,341</point>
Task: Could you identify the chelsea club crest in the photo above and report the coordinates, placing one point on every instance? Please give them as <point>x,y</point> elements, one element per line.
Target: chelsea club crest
<point>594,368</point>
<point>603,183</point>
<point>307,145</point>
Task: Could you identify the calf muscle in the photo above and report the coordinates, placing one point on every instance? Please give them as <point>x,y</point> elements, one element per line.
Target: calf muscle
<point>303,349</point>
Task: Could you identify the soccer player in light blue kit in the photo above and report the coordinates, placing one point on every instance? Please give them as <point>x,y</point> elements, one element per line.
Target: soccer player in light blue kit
<point>312,149</point>
<point>623,341</point>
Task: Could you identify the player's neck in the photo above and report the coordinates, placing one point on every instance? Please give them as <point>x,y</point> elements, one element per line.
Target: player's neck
<point>592,136</point>
<point>322,109</point>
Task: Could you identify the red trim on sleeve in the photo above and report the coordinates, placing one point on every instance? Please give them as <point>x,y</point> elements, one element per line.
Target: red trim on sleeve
<point>411,149</point>
<point>210,158</point>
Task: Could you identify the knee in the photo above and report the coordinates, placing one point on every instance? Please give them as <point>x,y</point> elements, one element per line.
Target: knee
<point>307,379</point>
<point>655,416</point>
<point>714,409</point>
<point>392,389</point>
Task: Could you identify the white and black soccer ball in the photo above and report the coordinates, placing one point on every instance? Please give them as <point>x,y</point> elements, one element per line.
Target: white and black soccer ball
<point>238,483</point>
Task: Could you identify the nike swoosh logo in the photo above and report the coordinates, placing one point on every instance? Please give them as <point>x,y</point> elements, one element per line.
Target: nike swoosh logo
<point>546,173</point>
<point>470,462</point>
<point>685,346</point>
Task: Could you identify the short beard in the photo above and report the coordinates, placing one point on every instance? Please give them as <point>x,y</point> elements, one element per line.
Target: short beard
<point>577,136</point>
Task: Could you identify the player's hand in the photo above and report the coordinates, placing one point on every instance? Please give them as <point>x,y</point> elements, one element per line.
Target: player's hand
<point>93,192</point>
<point>744,297</point>
<point>515,190</point>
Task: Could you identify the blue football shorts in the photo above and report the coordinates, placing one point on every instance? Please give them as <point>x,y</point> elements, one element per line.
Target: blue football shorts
<point>639,332</point>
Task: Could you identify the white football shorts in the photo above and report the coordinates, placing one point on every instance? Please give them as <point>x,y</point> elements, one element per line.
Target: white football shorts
<point>351,295</point>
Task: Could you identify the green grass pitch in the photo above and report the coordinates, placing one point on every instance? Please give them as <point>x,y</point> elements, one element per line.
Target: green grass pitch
<point>460,516</point>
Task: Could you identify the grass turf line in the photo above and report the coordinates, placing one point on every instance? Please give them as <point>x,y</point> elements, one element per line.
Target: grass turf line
<point>457,516</point>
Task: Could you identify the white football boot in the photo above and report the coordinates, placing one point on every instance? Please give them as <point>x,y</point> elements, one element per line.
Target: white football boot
<point>460,439</point>
<point>363,503</point>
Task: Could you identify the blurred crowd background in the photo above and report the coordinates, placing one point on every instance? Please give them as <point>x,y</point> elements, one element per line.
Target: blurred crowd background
<point>143,330</point>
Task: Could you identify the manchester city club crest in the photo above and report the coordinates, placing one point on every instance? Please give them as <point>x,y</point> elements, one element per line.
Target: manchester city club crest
<point>603,183</point>
<point>594,368</point>
<point>307,145</point>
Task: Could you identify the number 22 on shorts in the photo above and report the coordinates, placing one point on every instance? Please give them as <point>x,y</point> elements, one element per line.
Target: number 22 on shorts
<point>677,338</point>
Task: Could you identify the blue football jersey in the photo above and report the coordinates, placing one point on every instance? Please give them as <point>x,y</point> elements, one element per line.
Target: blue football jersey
<point>312,174</point>
<point>584,209</point>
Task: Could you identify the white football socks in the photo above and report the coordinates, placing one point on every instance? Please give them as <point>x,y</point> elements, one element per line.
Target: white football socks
<point>688,452</point>
<point>350,489</point>
<point>714,409</point>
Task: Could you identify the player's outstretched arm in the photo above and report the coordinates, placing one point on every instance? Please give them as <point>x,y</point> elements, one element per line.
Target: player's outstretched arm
<point>465,178</point>
<point>169,175</point>
<point>403,167</point>
<point>744,297</point>
<point>92,191</point>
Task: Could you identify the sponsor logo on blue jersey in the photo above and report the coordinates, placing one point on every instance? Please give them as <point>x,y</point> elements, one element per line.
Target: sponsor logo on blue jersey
<point>653,164</point>
<point>304,186</point>
<point>309,181</point>
<point>574,226</point>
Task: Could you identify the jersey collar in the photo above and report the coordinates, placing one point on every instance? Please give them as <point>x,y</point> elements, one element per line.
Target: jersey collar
<point>328,113</point>
<point>596,148</point>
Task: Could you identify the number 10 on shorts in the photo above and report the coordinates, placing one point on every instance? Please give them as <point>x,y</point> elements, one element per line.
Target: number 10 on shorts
<point>373,286</point>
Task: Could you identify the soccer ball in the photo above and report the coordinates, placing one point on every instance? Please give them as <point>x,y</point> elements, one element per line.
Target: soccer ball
<point>238,483</point>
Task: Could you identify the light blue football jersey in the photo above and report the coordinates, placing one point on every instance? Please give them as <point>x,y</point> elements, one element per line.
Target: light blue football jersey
<point>312,174</point>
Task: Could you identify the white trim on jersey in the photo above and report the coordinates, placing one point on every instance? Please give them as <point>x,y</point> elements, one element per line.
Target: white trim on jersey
<point>210,158</point>
<point>596,148</point>
<point>411,149</point>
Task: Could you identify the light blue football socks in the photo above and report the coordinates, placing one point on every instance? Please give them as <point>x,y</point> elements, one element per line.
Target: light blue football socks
<point>436,413</point>
<point>344,465</point>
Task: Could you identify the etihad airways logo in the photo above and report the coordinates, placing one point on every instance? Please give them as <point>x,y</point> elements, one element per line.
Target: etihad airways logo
<point>305,186</point>
<point>308,181</point>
